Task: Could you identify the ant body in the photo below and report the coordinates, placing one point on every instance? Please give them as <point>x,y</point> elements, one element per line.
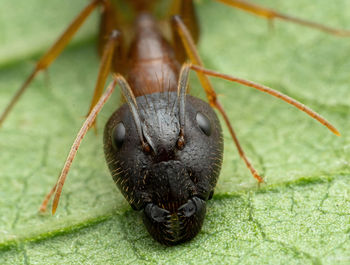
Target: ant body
<point>163,147</point>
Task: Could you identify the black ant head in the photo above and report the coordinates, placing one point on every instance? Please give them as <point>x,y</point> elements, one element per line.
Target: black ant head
<point>165,165</point>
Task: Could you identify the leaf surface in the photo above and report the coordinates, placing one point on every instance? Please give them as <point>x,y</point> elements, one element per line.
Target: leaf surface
<point>302,214</point>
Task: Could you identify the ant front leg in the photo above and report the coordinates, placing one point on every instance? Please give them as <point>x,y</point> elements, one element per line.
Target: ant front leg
<point>186,10</point>
<point>49,57</point>
<point>105,66</point>
<point>191,51</point>
<point>110,48</point>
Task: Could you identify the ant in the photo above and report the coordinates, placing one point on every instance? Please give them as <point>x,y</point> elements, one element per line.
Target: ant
<point>164,147</point>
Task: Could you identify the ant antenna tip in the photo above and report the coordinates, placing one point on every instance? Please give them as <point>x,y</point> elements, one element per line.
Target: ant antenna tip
<point>334,130</point>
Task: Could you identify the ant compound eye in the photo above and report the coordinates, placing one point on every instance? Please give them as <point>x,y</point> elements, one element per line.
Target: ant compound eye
<point>118,135</point>
<point>203,123</point>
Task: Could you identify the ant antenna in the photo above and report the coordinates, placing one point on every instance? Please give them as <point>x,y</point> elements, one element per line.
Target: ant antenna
<point>131,100</point>
<point>271,92</point>
<point>181,94</point>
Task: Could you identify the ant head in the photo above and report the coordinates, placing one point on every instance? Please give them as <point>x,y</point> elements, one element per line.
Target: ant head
<point>172,168</point>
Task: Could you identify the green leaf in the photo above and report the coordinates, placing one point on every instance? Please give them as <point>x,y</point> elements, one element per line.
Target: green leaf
<point>302,214</point>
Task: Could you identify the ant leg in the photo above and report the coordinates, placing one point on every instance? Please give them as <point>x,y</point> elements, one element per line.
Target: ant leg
<point>212,96</point>
<point>185,9</point>
<point>271,14</point>
<point>191,51</point>
<point>57,189</point>
<point>110,21</point>
<point>105,66</point>
<point>55,50</point>
<point>193,55</point>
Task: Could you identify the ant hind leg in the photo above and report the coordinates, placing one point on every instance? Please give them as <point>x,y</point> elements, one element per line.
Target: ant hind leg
<point>271,14</point>
<point>50,56</point>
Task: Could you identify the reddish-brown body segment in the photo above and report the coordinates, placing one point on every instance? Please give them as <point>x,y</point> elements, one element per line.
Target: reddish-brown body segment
<point>152,64</point>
